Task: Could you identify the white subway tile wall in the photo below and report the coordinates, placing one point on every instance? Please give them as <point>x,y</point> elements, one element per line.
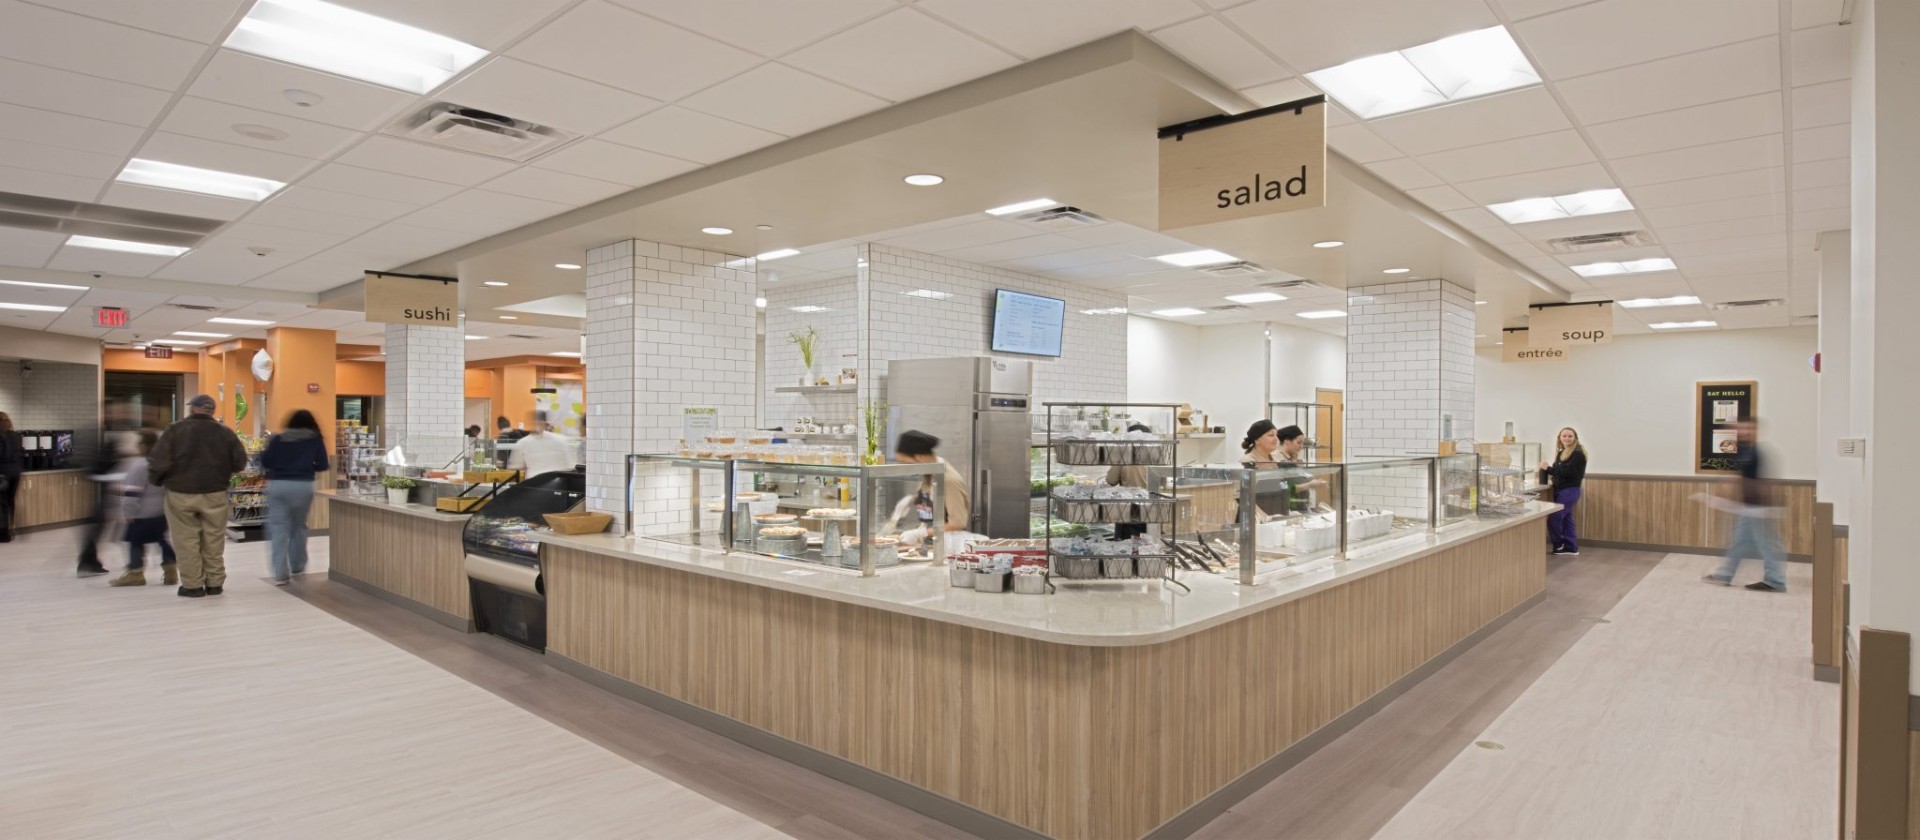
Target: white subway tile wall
<point>673,328</point>
<point>56,396</point>
<point>838,325</point>
<point>426,391</point>
<point>1409,380</point>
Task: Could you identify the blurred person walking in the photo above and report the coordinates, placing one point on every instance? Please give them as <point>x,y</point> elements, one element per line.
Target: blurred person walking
<point>1754,531</point>
<point>143,506</point>
<point>291,460</point>
<point>12,461</point>
<point>195,461</point>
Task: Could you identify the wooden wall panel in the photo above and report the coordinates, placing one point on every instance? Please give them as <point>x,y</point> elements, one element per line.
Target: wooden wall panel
<point>1073,742</point>
<point>1662,511</point>
<point>411,556</point>
<point>53,498</point>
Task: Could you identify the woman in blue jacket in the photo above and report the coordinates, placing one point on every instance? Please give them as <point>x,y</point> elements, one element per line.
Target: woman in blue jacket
<point>292,458</point>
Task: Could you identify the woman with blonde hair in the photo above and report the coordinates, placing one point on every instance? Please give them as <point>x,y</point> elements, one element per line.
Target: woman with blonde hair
<point>1565,472</point>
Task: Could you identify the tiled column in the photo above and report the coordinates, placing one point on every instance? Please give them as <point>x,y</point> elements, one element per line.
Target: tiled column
<point>426,391</point>
<point>1409,374</point>
<point>672,328</point>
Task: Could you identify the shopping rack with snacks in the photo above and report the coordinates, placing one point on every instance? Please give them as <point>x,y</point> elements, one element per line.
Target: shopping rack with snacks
<point>1125,493</point>
<point>247,492</point>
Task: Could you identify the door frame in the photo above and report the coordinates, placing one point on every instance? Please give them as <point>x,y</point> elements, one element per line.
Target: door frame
<point>1337,422</point>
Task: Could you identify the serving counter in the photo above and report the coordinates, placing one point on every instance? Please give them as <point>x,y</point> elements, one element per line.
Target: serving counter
<point>409,555</point>
<point>1126,711</point>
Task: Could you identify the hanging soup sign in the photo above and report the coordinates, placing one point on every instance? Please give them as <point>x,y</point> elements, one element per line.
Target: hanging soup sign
<point>1569,324</point>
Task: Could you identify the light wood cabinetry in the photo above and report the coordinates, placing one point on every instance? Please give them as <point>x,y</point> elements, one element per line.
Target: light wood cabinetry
<point>52,498</point>
<point>401,551</point>
<point>1662,511</point>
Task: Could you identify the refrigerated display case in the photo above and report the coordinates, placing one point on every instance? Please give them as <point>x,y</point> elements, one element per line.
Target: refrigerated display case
<point>1509,477</point>
<point>502,545</point>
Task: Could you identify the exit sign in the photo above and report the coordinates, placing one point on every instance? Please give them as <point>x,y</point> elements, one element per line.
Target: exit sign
<point>159,352</point>
<point>109,317</point>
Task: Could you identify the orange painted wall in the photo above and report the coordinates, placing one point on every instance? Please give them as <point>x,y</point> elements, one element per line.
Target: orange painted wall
<point>301,357</point>
<point>136,361</point>
<point>516,394</point>
<point>360,379</point>
<point>480,385</point>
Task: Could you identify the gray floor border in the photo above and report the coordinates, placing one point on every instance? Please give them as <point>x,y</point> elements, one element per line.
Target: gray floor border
<point>1679,549</point>
<point>438,617</point>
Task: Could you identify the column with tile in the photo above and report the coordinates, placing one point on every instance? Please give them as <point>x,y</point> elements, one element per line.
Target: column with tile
<point>672,328</point>
<point>1409,376</point>
<point>426,391</point>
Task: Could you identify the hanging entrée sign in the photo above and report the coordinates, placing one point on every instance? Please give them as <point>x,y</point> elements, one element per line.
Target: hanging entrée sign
<point>1568,324</point>
<point>1273,160</point>
<point>1514,347</point>
<point>411,299</point>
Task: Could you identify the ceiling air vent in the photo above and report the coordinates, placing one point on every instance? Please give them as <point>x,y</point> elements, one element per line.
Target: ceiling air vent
<point>521,337</point>
<point>1231,307</point>
<point>1233,269</point>
<point>62,216</point>
<point>194,307</point>
<point>1745,304</point>
<point>480,132</point>
<point>1599,242</point>
<point>1060,218</point>
<point>1295,283</point>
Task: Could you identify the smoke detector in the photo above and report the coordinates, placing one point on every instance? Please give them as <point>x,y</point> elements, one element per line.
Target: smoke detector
<point>472,130</point>
<point>1060,218</point>
<point>1587,243</point>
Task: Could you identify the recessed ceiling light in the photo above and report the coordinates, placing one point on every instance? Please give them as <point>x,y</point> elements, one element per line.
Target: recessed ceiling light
<point>567,266</point>
<point>192,334</point>
<point>1022,206</point>
<point>1684,325</point>
<point>808,308</point>
<point>32,284</point>
<point>509,317</point>
<point>1643,303</point>
<point>1448,70</point>
<point>778,254</point>
<point>494,283</point>
<point>240,322</point>
<point>1331,243</point>
<point>32,307</point>
<point>1324,313</point>
<point>476,338</point>
<point>336,39</point>
<point>256,131</point>
<point>929,294</point>
<point>1181,312</point>
<point>178,342</point>
<point>1190,259</point>
<point>1605,269</point>
<point>1256,297</point>
<point>763,227</point>
<point>925,180</point>
<point>571,354</point>
<point>125,246</point>
<point>1589,203</point>
<point>1117,310</point>
<point>302,98</point>
<point>1479,336</point>
<point>1396,271</point>
<point>759,303</point>
<point>716,231</point>
<point>1479,303</point>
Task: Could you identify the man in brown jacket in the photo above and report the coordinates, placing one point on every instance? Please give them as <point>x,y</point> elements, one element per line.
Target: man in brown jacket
<point>195,460</point>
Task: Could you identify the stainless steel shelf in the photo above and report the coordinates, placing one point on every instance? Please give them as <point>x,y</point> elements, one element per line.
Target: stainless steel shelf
<point>816,389</point>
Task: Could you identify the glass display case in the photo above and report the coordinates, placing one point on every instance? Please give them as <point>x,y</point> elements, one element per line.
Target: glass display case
<point>679,499</point>
<point>1316,419</point>
<point>1114,503</point>
<point>1258,522</point>
<point>1456,488</point>
<point>356,458</point>
<point>844,516</point>
<point>508,529</point>
<point>1509,477</point>
<point>1390,497</point>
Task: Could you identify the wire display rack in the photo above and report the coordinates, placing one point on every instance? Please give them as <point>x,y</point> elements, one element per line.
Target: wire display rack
<point>1096,436</point>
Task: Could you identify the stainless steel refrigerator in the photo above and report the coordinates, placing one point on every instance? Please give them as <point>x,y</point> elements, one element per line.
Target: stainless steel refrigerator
<point>979,408</point>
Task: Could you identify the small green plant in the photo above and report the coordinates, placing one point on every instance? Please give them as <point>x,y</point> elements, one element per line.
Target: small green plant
<point>398,482</point>
<point>805,340</point>
<point>874,418</point>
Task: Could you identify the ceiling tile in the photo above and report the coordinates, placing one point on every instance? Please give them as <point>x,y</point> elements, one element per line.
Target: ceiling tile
<point>1839,218</point>
<point>59,90</point>
<point>619,47</point>
<point>482,23</point>
<point>1619,33</point>
<point>1208,44</point>
<point>768,27</point>
<point>1359,143</point>
<point>1474,218</point>
<point>1484,120</point>
<point>613,162</point>
<point>210,120</point>
<point>1757,226</point>
<point>391,245</point>
<point>969,235</point>
<point>1282,92</point>
<point>281,215</point>
<point>311,276</point>
<point>1824,104</point>
<point>1509,157</point>
<point>391,154</point>
<point>1036,29</point>
<point>1824,143</point>
<point>1581,226</point>
<point>1751,182</point>
<point>304,197</point>
<point>482,212</point>
<point>1521,9</point>
<point>1405,173</point>
<point>59,159</point>
<point>1314,34</point>
<point>1716,211</point>
<point>1822,54</point>
<point>1823,173</point>
<point>175,201</point>
<point>901,55</point>
<point>241,79</point>
<point>39,35</point>
<point>1735,245</point>
<point>1679,82</point>
<point>691,135</point>
<point>49,184</point>
<point>1697,126</point>
<point>1546,182</point>
<point>571,190</point>
<point>1016,249</point>
<point>225,157</point>
<point>31,248</point>
<point>195,20</point>
<point>1700,161</point>
<point>1817,12</point>
<point>1442,198</point>
<point>781,99</point>
<point>48,128</point>
<point>336,177</point>
<point>536,94</point>
<point>106,262</point>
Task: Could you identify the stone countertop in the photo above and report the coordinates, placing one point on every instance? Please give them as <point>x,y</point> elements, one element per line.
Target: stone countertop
<point>1119,614</point>
<point>410,509</point>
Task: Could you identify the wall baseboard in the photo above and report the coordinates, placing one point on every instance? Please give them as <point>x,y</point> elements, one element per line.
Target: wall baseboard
<point>1679,549</point>
<point>448,619</point>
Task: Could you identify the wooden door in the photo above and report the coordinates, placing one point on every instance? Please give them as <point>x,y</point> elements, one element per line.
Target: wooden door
<point>1336,424</point>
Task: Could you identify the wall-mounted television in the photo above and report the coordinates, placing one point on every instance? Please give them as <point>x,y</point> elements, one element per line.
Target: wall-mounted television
<point>1027,324</point>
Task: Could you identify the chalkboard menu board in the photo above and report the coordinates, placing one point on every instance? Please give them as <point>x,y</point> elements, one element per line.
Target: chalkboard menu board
<point>1717,406</point>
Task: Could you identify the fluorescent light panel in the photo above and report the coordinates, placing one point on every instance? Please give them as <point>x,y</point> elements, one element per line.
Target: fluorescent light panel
<point>1181,312</point>
<point>567,266</point>
<point>178,342</point>
<point>1192,259</point>
<point>781,253</point>
<point>339,40</point>
<point>1256,297</point>
<point>1606,269</point>
<point>125,246</point>
<point>1448,70</point>
<point>1324,313</point>
<point>1589,203</point>
<point>1684,325</point>
<point>32,307</point>
<point>241,322</point>
<point>929,294</point>
<point>808,308</point>
<point>567,353</point>
<point>1117,310</point>
<point>32,285</point>
<point>192,334</point>
<point>476,338</point>
<point>1022,206</point>
<point>1644,303</point>
<point>173,176</point>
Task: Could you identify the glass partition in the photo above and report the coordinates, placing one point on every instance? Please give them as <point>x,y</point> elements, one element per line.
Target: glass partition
<point>1389,497</point>
<point>1509,477</point>
<point>679,499</point>
<point>1260,522</point>
<point>1458,480</point>
<point>1316,419</point>
<point>849,517</point>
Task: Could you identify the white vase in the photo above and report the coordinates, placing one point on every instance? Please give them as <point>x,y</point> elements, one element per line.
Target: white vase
<point>806,379</point>
<point>397,495</point>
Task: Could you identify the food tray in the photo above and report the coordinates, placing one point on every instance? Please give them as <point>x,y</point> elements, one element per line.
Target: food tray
<point>796,544</point>
<point>463,504</point>
<point>1116,567</point>
<point>579,523</point>
<point>1113,453</point>
<point>1155,510</point>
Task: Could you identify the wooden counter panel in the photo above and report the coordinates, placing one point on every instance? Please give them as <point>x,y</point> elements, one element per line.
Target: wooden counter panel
<point>417,559</point>
<point>1661,511</point>
<point>53,498</point>
<point>1071,741</point>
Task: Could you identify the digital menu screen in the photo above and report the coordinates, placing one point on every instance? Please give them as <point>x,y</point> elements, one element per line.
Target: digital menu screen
<point>1028,324</point>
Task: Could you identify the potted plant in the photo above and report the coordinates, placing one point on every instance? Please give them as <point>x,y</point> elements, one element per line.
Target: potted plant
<point>806,340</point>
<point>874,417</point>
<point>398,488</point>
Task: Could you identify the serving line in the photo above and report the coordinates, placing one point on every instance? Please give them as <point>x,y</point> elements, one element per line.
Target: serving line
<point>409,509</point>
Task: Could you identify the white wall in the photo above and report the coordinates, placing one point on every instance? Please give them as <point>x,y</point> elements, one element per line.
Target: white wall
<point>1161,355</point>
<point>1633,400</point>
<point>1304,360</point>
<point>1218,369</point>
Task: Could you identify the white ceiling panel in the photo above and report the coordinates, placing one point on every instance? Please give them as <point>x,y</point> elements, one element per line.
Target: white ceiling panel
<point>480,212</point>
<point>1036,29</point>
<point>1442,198</point>
<point>49,184</point>
<point>40,35</point>
<point>1816,12</point>
<point>225,157</point>
<point>1474,218</point>
<point>175,201</point>
<point>1698,78</point>
<point>1618,33</point>
<point>405,157</point>
<point>304,197</point>
<point>613,162</point>
<point>73,93</point>
<point>107,262</point>
<point>1822,54</point>
<point>1547,182</point>
<point>240,79</point>
<point>311,276</point>
<point>969,235</point>
<point>1733,119</point>
<point>1314,34</point>
<point>339,177</point>
<point>1510,157</point>
<point>1732,264</point>
<point>1823,173</point>
<point>1823,143</point>
<point>482,23</point>
<point>1288,90</point>
<point>547,185</point>
<point>390,245</point>
<point>60,159</point>
<point>901,55</point>
<point>1823,198</point>
<point>1716,211</point>
<point>1738,244</point>
<point>1208,44</point>
<point>29,320</point>
<point>1108,234</point>
<point>1521,9</point>
<point>597,40</point>
<point>210,120</point>
<point>768,27</point>
<point>1359,143</point>
<point>1405,173</point>
<point>1751,182</point>
<point>1822,220</point>
<point>549,97</point>
<point>1503,117</point>
<point>196,20</point>
<point>281,215</point>
<point>1823,104</point>
<point>30,248</point>
<point>1757,226</point>
<point>691,135</point>
<point>781,99</point>
<point>1015,249</point>
<point>1700,161</point>
<point>48,128</point>
<point>1581,226</point>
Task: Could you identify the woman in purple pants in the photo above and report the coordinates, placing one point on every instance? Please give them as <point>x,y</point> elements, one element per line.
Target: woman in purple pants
<point>1565,472</point>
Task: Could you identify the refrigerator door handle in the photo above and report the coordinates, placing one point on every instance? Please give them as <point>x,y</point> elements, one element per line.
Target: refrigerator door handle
<point>986,500</point>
